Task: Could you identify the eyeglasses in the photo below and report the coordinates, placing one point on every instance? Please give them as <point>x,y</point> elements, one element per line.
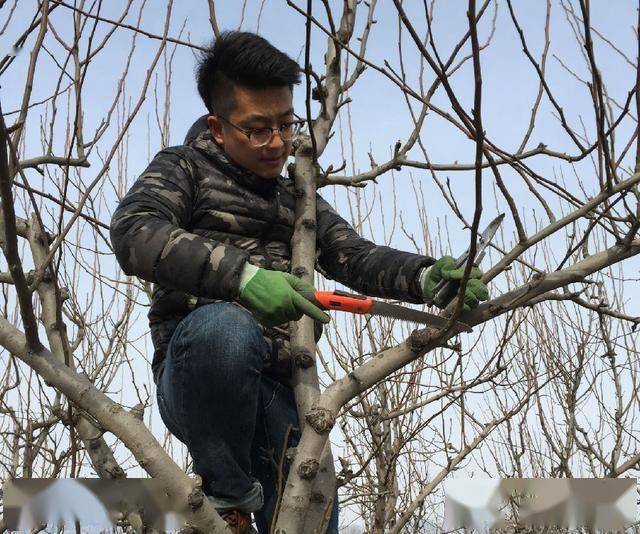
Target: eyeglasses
<point>259,137</point>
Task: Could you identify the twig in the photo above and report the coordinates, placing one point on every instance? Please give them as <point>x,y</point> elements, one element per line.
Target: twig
<point>130,27</point>
<point>11,246</point>
<point>58,242</point>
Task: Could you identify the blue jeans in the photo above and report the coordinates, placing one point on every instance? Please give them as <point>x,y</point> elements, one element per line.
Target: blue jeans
<point>214,397</point>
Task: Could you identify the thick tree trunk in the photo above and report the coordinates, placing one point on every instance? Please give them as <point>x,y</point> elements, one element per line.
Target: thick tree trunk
<point>305,379</point>
<point>305,376</point>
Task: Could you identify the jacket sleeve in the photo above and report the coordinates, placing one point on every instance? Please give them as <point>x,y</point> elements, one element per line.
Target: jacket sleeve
<point>150,237</point>
<point>377,271</point>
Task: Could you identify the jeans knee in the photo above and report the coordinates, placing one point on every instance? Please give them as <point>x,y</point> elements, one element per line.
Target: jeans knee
<point>224,334</point>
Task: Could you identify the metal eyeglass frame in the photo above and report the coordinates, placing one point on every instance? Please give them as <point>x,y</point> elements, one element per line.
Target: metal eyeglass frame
<point>249,132</point>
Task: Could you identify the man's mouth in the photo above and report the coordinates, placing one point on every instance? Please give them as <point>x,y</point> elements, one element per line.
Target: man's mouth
<point>272,161</point>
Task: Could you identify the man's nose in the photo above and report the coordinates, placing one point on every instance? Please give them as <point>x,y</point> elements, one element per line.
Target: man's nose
<point>276,141</point>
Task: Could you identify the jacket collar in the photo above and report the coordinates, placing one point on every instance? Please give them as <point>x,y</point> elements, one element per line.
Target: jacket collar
<point>205,143</point>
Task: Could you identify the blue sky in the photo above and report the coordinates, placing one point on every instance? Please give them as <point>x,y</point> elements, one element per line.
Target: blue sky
<point>378,114</point>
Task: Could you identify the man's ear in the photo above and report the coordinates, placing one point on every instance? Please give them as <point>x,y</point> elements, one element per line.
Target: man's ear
<point>215,127</point>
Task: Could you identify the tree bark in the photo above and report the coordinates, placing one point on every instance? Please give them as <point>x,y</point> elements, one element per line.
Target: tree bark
<point>321,418</point>
<point>305,376</point>
<point>111,417</point>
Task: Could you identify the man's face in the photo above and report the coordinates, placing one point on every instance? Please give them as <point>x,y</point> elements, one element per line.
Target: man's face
<point>261,108</point>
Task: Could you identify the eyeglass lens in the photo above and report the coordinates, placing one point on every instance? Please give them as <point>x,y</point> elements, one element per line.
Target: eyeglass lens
<point>263,135</point>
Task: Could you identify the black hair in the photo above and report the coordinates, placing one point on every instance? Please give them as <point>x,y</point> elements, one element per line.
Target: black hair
<point>241,58</point>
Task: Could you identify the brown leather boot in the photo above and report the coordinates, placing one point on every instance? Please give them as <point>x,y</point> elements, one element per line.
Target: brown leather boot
<point>239,522</point>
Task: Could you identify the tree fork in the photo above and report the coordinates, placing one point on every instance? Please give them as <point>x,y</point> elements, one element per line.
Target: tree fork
<point>313,443</point>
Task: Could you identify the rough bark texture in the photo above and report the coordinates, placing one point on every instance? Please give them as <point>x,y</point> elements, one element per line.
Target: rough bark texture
<point>305,380</point>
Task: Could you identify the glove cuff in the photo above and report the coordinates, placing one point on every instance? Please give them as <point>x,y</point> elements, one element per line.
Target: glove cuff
<point>422,277</point>
<point>248,272</point>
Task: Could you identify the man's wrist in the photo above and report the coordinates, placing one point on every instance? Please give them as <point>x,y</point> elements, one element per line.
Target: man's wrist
<point>422,277</point>
<point>247,273</point>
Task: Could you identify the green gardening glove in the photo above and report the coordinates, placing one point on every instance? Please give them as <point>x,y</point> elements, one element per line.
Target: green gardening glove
<point>273,298</point>
<point>445,269</point>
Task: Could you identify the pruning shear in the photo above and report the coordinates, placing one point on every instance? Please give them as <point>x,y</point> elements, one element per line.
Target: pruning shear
<point>445,290</point>
<point>361,304</point>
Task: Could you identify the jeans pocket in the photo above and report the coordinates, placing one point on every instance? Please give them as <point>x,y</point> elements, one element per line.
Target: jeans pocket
<point>167,417</point>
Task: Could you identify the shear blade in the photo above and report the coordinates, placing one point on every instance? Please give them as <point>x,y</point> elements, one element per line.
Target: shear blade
<point>409,314</point>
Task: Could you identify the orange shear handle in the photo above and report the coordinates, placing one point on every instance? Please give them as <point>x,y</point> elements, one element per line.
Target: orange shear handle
<point>340,300</point>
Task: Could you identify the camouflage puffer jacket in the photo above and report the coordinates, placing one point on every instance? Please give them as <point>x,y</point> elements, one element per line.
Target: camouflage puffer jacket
<point>193,218</point>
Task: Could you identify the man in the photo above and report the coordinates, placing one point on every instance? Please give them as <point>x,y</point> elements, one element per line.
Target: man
<point>210,223</point>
